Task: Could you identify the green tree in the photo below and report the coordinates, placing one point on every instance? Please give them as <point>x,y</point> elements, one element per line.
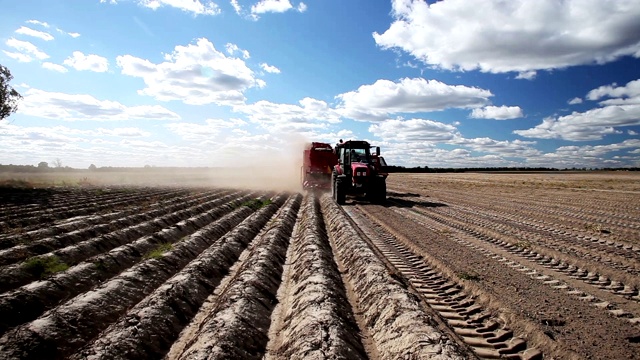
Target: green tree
<point>43,165</point>
<point>92,167</point>
<point>9,97</point>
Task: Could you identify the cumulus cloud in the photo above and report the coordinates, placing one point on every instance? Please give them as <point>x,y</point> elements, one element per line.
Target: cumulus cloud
<point>497,112</point>
<point>69,107</point>
<point>574,101</point>
<point>35,33</point>
<point>311,114</point>
<point>91,62</point>
<point>55,67</point>
<point>590,154</point>
<point>414,130</point>
<point>527,75</point>
<point>196,7</point>
<point>520,35</point>
<point>505,148</point>
<point>275,6</point>
<point>628,94</point>
<point>632,133</point>
<point>26,51</point>
<point>377,101</point>
<point>269,68</point>
<point>622,108</point>
<point>196,74</point>
<point>210,129</point>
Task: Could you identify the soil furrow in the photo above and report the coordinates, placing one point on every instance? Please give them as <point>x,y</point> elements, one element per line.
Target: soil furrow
<point>21,252</point>
<point>68,327</point>
<point>315,321</point>
<point>237,326</point>
<point>16,275</point>
<point>30,301</point>
<point>149,329</point>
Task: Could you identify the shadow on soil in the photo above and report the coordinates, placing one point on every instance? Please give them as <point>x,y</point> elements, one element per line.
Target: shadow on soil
<point>406,203</point>
<point>401,200</point>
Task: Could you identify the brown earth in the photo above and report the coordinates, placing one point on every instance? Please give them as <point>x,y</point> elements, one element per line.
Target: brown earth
<point>453,266</point>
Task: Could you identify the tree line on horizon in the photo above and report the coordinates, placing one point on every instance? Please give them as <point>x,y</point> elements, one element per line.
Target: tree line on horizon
<point>43,166</point>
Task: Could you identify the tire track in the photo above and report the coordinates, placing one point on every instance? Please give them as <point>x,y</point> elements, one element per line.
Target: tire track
<point>486,335</point>
<point>399,326</point>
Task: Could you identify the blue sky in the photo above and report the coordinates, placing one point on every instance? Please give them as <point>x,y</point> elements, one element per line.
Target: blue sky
<point>454,83</point>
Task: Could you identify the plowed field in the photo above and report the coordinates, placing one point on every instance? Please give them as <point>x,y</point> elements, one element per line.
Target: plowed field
<point>453,266</point>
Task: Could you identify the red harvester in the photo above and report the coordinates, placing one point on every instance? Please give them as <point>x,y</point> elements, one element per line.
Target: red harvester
<point>317,165</point>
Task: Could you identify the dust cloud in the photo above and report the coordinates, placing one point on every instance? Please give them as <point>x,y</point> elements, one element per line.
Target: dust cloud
<point>274,165</point>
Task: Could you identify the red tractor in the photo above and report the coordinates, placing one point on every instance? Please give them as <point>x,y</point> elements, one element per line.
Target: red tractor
<point>358,172</point>
<point>317,164</point>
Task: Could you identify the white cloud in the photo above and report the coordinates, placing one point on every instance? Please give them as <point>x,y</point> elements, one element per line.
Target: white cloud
<point>18,56</point>
<point>69,107</point>
<point>196,74</point>
<point>236,6</point>
<point>269,68</point>
<point>72,34</point>
<point>377,101</point>
<point>527,75</point>
<point>310,115</point>
<point>54,67</point>
<point>497,112</point>
<point>210,129</point>
<point>628,94</point>
<point>632,133</point>
<point>515,148</point>
<point>577,152</point>
<point>622,109</point>
<point>589,125</point>
<point>275,6</point>
<point>35,33</point>
<point>519,35</point>
<point>414,130</point>
<point>41,23</point>
<point>265,6</point>
<point>26,51</point>
<point>574,101</point>
<point>195,7</point>
<point>81,62</point>
<point>233,49</point>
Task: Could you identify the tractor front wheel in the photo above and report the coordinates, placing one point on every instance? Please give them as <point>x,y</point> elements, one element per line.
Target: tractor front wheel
<point>339,193</point>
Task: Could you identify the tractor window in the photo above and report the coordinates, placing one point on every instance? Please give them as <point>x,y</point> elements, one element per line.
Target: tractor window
<point>360,155</point>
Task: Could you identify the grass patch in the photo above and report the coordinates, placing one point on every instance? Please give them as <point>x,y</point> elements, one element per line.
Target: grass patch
<point>596,228</point>
<point>158,251</point>
<point>472,276</point>
<point>45,266</point>
<point>523,244</point>
<point>256,204</point>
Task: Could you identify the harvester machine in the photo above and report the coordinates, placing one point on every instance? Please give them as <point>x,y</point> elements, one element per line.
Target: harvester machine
<point>358,172</point>
<point>317,164</point>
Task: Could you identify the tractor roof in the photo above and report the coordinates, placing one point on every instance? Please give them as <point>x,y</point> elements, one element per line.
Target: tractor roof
<point>357,144</point>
